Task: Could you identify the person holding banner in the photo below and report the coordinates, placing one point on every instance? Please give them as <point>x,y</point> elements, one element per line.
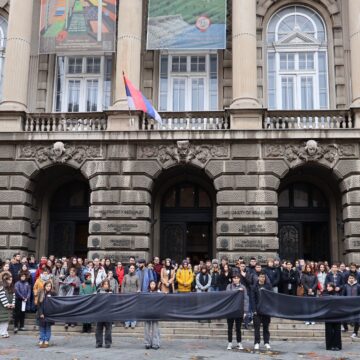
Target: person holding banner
<point>22,296</point>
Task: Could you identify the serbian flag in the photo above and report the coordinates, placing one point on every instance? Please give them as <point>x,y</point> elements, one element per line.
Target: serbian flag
<point>137,101</point>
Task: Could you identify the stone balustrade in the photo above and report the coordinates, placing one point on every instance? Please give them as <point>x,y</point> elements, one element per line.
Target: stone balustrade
<point>55,122</point>
<point>311,119</point>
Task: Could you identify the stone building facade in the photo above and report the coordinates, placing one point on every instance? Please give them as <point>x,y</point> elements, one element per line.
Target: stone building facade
<point>255,176</point>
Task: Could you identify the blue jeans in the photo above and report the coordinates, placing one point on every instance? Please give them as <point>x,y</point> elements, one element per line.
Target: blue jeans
<point>45,332</point>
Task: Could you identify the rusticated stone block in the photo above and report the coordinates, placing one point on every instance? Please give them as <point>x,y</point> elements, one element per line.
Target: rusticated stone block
<point>149,167</point>
<point>350,183</point>
<point>133,196</point>
<point>3,241</point>
<point>345,168</point>
<point>7,151</point>
<point>14,226</point>
<point>98,167</point>
<point>216,167</point>
<point>269,182</point>
<point>116,256</point>
<point>4,182</point>
<point>21,212</point>
<point>105,197</point>
<point>352,257</point>
<point>351,198</point>
<point>251,243</point>
<point>245,151</point>
<point>352,243</point>
<point>236,182</point>
<point>247,212</point>
<point>352,228</point>
<point>120,242</point>
<point>120,182</point>
<point>142,182</point>
<point>278,168</point>
<point>27,168</point>
<point>246,227</point>
<point>18,241</point>
<point>261,197</point>
<point>19,182</point>
<point>4,211</point>
<point>120,212</point>
<point>99,182</point>
<point>8,254</point>
<point>231,197</point>
<point>14,197</point>
<point>119,227</point>
<point>121,151</point>
<point>351,212</point>
<point>234,256</point>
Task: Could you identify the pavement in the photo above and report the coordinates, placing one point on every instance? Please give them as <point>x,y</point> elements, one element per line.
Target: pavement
<point>24,347</point>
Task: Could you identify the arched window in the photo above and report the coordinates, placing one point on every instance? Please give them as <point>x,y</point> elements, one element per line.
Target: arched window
<point>297,60</point>
<point>3,36</point>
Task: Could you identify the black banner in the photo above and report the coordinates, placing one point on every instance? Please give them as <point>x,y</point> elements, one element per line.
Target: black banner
<point>306,308</point>
<point>145,306</point>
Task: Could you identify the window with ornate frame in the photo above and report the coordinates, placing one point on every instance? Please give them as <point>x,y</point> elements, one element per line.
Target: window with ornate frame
<point>297,60</point>
<point>82,83</point>
<point>188,82</point>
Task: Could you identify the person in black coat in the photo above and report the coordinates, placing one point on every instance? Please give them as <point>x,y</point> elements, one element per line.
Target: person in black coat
<point>352,271</point>
<point>289,279</point>
<point>335,277</point>
<point>273,273</point>
<point>332,330</point>
<point>259,318</point>
<point>309,281</point>
<point>352,288</point>
<point>225,277</point>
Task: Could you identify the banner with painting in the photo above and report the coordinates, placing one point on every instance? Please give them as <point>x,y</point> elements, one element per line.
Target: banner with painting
<point>68,26</point>
<point>190,24</point>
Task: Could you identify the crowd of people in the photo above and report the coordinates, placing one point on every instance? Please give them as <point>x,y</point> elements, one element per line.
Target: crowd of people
<point>26,284</point>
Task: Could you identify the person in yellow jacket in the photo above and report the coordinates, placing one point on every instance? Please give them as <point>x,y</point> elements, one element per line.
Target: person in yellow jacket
<point>184,278</point>
<point>39,283</point>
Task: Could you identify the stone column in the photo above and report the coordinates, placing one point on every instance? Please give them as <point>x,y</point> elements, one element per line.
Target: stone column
<point>354,32</point>
<point>17,58</point>
<point>244,54</point>
<point>128,54</point>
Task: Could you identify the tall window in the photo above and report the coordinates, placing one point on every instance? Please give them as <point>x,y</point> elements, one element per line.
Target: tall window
<point>3,36</point>
<point>297,60</point>
<point>83,83</point>
<point>188,82</point>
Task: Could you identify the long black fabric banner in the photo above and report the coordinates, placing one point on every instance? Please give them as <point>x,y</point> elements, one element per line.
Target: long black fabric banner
<point>320,309</point>
<point>145,306</point>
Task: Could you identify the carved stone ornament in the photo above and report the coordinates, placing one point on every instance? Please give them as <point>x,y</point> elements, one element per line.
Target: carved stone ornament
<point>311,150</point>
<point>60,152</point>
<point>184,152</point>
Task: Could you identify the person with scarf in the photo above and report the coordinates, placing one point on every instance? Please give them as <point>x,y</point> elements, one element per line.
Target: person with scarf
<point>39,283</point>
<point>87,288</point>
<point>22,296</point>
<point>7,303</point>
<point>44,326</point>
<point>167,278</point>
<point>151,328</point>
<point>120,273</point>
<point>114,286</point>
<point>236,286</point>
<point>203,280</point>
<point>101,326</point>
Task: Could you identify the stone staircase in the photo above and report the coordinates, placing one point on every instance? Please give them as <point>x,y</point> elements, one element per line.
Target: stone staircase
<point>281,330</point>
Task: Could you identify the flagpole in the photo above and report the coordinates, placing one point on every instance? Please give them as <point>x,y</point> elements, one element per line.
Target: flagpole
<point>126,99</point>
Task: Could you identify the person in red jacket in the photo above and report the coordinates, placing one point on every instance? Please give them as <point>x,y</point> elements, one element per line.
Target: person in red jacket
<point>42,265</point>
<point>120,273</point>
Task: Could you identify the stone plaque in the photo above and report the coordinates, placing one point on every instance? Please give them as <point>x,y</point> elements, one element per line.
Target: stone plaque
<point>247,212</point>
<point>120,211</point>
<point>247,228</point>
<point>121,227</point>
<point>247,243</point>
<point>119,242</point>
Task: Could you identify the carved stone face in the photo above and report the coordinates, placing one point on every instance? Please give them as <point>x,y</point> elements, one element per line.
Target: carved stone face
<point>58,148</point>
<point>311,147</point>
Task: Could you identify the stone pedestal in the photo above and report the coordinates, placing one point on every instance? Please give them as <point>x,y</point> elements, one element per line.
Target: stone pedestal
<point>123,121</point>
<point>244,54</point>
<point>128,55</point>
<point>17,58</point>
<point>246,119</point>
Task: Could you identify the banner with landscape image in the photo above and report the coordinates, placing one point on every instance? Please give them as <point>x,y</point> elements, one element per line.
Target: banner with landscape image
<point>186,24</point>
<point>77,25</point>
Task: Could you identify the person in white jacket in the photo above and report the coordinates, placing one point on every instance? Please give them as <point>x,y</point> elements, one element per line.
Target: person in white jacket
<point>98,273</point>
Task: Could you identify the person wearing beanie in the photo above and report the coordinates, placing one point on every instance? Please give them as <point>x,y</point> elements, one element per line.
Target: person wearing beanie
<point>22,296</point>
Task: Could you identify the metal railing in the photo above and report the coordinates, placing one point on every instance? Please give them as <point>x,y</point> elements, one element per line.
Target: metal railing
<point>308,119</point>
<point>56,122</point>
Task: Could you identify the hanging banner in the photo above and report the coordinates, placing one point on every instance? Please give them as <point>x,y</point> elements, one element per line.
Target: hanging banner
<point>77,25</point>
<point>190,24</point>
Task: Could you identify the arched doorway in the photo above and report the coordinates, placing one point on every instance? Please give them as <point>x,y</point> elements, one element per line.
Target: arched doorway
<point>186,223</point>
<point>69,220</point>
<point>303,223</point>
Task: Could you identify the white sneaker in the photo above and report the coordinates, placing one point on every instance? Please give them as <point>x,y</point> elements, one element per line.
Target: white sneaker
<point>312,323</point>
<point>267,346</point>
<point>229,346</point>
<point>354,336</point>
<point>307,323</point>
<point>256,346</point>
<point>240,347</point>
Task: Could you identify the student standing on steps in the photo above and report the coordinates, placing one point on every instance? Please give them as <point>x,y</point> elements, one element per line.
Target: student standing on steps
<point>151,328</point>
<point>22,296</point>
<point>7,303</point>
